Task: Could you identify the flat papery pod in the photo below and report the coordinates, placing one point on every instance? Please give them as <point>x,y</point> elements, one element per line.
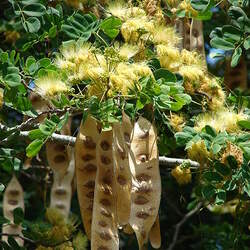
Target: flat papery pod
<point>61,191</point>
<point>104,231</point>
<point>121,136</point>
<point>196,37</point>
<point>86,166</point>
<point>146,181</point>
<point>13,198</point>
<point>58,155</point>
<point>155,234</point>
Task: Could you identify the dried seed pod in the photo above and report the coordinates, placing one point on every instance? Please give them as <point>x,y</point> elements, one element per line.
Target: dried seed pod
<point>196,37</point>
<point>104,232</point>
<point>121,133</point>
<point>146,181</point>
<point>58,155</point>
<point>155,234</point>
<point>13,198</point>
<point>86,166</point>
<point>61,191</point>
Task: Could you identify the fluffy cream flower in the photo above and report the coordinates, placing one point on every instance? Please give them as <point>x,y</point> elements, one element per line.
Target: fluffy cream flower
<point>182,175</point>
<point>50,86</point>
<point>221,120</point>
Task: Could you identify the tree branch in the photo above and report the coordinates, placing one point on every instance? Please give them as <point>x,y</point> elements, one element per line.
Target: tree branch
<point>180,223</point>
<point>19,236</point>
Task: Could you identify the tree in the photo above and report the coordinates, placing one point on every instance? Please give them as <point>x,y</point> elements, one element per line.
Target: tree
<point>92,92</point>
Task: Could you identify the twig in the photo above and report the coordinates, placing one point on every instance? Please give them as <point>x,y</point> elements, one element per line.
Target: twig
<point>70,140</point>
<point>19,236</point>
<point>180,223</point>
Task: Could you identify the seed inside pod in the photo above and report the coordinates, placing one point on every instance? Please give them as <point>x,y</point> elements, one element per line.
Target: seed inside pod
<point>105,236</point>
<point>105,202</point>
<point>121,180</point>
<point>60,191</point>
<point>126,137</point>
<point>89,184</point>
<point>102,248</point>
<point>105,160</point>
<point>142,158</point>
<point>88,157</point>
<point>144,190</point>
<point>106,213</point>
<point>13,202</point>
<point>141,200</point>
<point>102,223</point>
<point>90,195</point>
<point>143,177</point>
<point>105,145</point>
<point>107,179</point>
<point>59,148</point>
<point>144,135</point>
<point>14,192</point>
<point>59,158</point>
<point>142,215</point>
<point>90,167</point>
<point>60,206</point>
<point>89,143</point>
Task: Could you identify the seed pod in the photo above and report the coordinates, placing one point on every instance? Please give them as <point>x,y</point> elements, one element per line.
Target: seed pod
<point>155,234</point>
<point>196,37</point>
<point>58,155</point>
<point>86,166</point>
<point>13,198</point>
<point>146,181</point>
<point>121,133</point>
<point>61,191</point>
<point>104,232</point>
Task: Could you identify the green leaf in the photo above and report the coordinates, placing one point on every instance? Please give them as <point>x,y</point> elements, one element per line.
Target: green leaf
<point>247,43</point>
<point>222,169</point>
<point>211,131</point>
<point>34,10</point>
<point>12,242</point>
<point>3,220</point>
<point>18,215</point>
<point>111,26</point>
<point>244,124</point>
<point>165,74</point>
<point>200,5</point>
<point>53,31</point>
<point>34,147</point>
<point>32,24</point>
<point>2,187</point>
<point>231,33</point>
<point>13,80</point>
<point>220,197</point>
<point>44,62</point>
<point>236,57</point>
<point>63,121</point>
<point>208,191</point>
<point>216,148</point>
<point>80,26</point>
<point>212,177</point>
<point>220,43</point>
<point>36,134</point>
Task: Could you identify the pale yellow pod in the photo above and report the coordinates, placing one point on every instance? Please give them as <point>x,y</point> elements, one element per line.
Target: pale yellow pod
<point>121,134</point>
<point>61,191</point>
<point>146,181</point>
<point>155,234</point>
<point>104,230</point>
<point>86,166</point>
<point>58,155</point>
<point>196,37</point>
<point>13,198</point>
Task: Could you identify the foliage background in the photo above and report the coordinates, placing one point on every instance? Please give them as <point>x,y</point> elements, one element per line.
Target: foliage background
<point>32,32</point>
